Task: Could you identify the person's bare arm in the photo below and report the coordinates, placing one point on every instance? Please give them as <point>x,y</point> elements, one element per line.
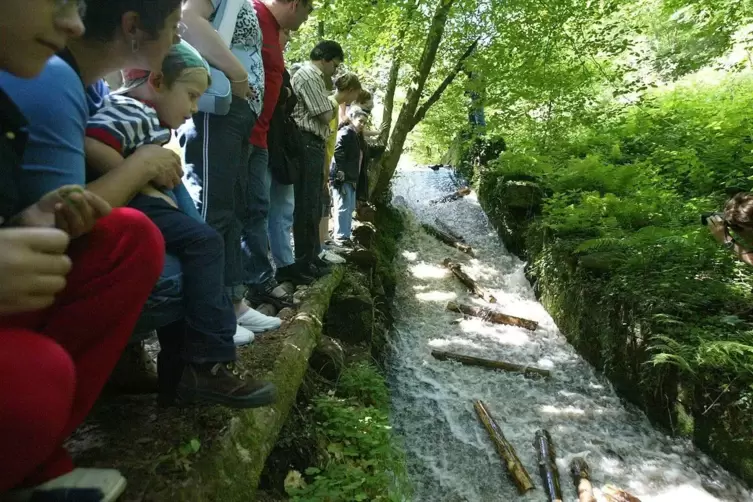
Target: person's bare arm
<point>326,117</point>
<point>200,33</point>
<point>123,178</point>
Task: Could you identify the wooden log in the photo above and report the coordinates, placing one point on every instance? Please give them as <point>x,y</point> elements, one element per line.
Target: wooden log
<point>492,315</point>
<point>446,229</point>
<point>458,194</point>
<point>490,363</point>
<point>550,475</point>
<point>515,468</point>
<point>613,494</point>
<point>457,271</point>
<point>582,479</point>
<point>447,239</point>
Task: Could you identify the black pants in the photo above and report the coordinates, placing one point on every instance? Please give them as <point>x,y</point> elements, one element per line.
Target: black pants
<point>210,319</point>
<point>308,200</point>
<point>217,151</point>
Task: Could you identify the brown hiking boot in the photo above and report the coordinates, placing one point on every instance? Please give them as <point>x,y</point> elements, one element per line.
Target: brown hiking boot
<point>135,373</point>
<point>223,383</point>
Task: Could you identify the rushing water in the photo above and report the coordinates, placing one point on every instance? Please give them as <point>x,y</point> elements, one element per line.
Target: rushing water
<point>450,457</point>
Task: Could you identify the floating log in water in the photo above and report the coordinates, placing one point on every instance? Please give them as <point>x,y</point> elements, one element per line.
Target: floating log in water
<point>582,479</point>
<point>613,494</point>
<point>446,229</point>
<point>448,239</point>
<point>550,476</point>
<point>515,468</point>
<point>458,194</point>
<point>490,363</point>
<point>491,315</point>
<point>472,285</point>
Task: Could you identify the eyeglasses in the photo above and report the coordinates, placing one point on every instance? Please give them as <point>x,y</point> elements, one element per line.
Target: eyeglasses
<point>70,6</point>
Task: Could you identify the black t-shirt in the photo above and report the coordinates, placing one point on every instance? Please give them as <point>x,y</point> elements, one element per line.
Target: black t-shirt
<point>13,137</point>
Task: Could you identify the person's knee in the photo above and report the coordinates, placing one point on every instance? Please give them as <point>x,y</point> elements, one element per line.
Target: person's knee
<point>138,237</point>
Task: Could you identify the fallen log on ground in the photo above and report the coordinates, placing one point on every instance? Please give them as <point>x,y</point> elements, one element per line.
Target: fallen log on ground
<point>582,479</point>
<point>490,363</point>
<point>472,285</point>
<point>447,239</point>
<point>550,475</point>
<point>492,316</point>
<point>446,229</point>
<point>458,194</point>
<point>515,468</point>
<point>613,494</point>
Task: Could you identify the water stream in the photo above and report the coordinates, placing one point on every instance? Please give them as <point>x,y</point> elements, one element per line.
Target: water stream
<point>450,457</point>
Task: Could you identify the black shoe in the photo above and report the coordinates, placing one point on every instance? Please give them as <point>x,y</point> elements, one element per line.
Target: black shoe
<point>321,265</point>
<point>226,384</point>
<point>295,274</point>
<point>271,293</point>
<point>312,270</point>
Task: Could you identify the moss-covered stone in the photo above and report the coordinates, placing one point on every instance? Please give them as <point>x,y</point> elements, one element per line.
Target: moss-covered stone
<point>156,449</point>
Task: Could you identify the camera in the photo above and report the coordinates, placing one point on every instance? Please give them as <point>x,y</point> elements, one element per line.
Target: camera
<point>705,217</point>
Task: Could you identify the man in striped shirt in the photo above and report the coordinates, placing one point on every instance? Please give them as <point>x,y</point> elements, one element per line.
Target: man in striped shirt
<point>313,114</point>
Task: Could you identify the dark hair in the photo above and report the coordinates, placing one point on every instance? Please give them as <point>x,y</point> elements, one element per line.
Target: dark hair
<point>354,113</point>
<point>364,96</point>
<point>327,50</point>
<point>103,17</point>
<point>738,211</point>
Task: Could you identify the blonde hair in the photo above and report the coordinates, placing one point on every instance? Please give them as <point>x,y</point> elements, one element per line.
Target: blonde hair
<point>348,82</point>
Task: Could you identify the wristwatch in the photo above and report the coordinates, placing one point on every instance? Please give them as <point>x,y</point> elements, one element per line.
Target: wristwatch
<point>730,243</point>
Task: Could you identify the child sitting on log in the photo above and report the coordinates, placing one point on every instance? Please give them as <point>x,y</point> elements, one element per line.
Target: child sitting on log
<point>197,358</point>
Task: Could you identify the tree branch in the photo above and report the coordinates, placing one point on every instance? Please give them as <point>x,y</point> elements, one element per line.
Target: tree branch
<point>424,108</point>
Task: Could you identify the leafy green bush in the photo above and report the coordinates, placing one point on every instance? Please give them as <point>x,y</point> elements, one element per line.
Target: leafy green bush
<point>627,271</point>
<point>364,464</point>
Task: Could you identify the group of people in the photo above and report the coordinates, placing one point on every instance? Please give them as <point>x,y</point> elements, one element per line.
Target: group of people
<point>103,236</point>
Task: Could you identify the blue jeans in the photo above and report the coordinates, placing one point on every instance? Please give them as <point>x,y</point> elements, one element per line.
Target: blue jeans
<point>209,316</point>
<point>281,206</point>
<point>344,203</point>
<point>257,266</point>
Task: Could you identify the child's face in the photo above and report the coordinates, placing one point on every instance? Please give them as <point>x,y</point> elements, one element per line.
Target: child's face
<point>176,104</point>
<point>359,123</point>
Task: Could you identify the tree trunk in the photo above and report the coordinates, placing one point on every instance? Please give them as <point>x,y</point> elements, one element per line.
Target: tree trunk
<point>446,229</point>
<point>515,468</point>
<point>448,239</point>
<point>405,121</point>
<point>582,479</point>
<point>472,285</point>
<point>492,316</point>
<point>550,476</point>
<point>614,494</point>
<point>488,363</point>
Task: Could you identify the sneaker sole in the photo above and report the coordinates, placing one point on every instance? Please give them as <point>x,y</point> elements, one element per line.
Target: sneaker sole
<point>116,492</point>
<point>263,397</point>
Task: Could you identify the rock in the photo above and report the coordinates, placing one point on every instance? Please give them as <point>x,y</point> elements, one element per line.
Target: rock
<point>351,314</point>
<point>361,257</point>
<point>286,314</point>
<point>328,358</point>
<point>289,287</point>
<point>365,235</point>
<point>520,194</point>
<point>266,309</point>
<point>366,212</point>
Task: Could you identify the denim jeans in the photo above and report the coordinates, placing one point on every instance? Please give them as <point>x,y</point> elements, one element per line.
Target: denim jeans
<point>308,200</point>
<point>210,321</point>
<point>216,161</point>
<point>257,266</point>
<point>344,200</point>
<point>281,206</point>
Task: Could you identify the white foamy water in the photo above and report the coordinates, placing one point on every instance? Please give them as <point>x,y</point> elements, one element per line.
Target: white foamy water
<point>449,453</point>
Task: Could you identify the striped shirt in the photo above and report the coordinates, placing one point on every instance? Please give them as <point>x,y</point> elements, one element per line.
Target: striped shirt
<point>126,124</point>
<point>308,85</point>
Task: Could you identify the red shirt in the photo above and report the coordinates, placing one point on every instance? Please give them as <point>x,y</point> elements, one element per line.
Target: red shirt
<point>274,66</point>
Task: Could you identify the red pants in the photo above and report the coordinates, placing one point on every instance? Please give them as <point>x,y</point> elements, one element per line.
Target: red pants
<point>54,363</point>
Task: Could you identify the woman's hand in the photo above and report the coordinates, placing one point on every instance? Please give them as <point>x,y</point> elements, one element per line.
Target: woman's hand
<point>70,208</point>
<point>240,88</point>
<point>717,228</point>
<point>33,266</point>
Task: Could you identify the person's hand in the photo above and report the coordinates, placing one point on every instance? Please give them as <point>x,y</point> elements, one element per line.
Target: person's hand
<point>241,89</point>
<point>717,228</point>
<point>165,164</point>
<point>340,176</point>
<point>69,208</point>
<point>33,266</point>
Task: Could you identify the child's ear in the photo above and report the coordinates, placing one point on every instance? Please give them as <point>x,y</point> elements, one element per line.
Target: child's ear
<point>157,81</point>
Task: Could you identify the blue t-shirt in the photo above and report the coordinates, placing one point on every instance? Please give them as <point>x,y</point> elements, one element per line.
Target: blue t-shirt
<point>55,104</point>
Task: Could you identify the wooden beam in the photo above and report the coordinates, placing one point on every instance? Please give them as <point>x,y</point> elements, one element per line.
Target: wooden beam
<point>472,285</point>
<point>490,363</point>
<point>492,315</point>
